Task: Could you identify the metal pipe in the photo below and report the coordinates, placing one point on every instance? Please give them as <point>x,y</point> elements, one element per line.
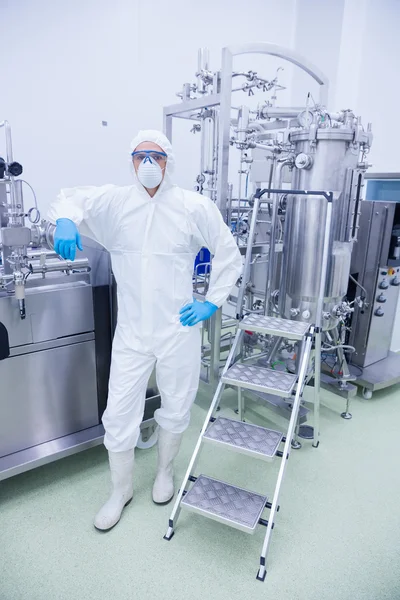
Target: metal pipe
<point>224,131</point>
<point>318,319</point>
<point>317,387</point>
<point>339,348</point>
<point>277,341</point>
<point>15,210</point>
<point>324,266</point>
<point>243,123</point>
<point>7,131</point>
<point>202,65</point>
<point>208,144</point>
<point>262,146</point>
<point>286,54</point>
<point>10,159</point>
<point>215,150</point>
<point>201,179</point>
<point>240,179</point>
<point>257,125</point>
<point>268,126</point>
<point>203,59</point>
<point>272,236</point>
<point>216,81</point>
<point>37,254</point>
<point>229,213</point>
<point>247,263</point>
<point>268,112</point>
<point>61,265</point>
<point>240,404</point>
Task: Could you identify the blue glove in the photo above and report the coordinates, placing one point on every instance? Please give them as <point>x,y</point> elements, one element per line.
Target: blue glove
<point>66,239</point>
<point>196,311</point>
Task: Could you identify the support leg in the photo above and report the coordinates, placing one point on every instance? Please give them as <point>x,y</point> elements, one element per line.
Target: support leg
<point>346,414</point>
<point>317,387</point>
<point>273,350</point>
<point>296,444</point>
<point>286,452</point>
<point>240,404</point>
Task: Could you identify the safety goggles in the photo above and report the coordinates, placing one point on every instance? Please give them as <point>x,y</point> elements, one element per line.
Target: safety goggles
<point>151,155</point>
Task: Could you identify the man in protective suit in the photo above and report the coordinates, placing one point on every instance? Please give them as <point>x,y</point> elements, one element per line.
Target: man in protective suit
<point>153,231</point>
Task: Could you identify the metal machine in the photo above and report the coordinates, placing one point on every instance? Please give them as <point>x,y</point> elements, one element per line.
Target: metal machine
<point>278,206</point>
<point>376,266</point>
<point>56,325</point>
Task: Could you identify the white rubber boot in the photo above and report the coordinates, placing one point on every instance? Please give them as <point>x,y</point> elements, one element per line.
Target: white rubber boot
<point>121,467</point>
<point>168,448</point>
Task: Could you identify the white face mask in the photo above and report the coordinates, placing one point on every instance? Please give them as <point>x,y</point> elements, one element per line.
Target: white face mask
<point>149,174</point>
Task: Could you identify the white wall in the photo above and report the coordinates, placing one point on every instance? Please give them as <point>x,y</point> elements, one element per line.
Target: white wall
<point>369,59</point>
<point>318,38</point>
<point>73,64</point>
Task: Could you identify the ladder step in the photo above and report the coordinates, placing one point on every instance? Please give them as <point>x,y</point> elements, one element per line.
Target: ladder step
<point>245,438</point>
<point>260,379</point>
<point>286,328</point>
<point>225,503</point>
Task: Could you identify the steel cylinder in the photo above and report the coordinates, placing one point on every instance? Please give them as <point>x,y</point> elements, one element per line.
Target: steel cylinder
<point>207,145</point>
<point>326,162</point>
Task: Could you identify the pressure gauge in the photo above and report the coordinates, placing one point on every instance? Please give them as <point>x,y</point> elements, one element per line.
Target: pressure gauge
<point>303,161</point>
<point>305,118</point>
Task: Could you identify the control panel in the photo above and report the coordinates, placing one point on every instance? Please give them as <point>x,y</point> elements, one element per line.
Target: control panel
<point>388,278</point>
<point>383,311</point>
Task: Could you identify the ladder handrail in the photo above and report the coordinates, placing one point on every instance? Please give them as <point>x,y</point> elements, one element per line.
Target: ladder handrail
<point>286,451</point>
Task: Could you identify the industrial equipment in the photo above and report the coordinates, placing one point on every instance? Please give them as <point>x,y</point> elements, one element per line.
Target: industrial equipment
<point>279,151</point>
<point>294,210</point>
<point>56,325</point>
<point>376,267</point>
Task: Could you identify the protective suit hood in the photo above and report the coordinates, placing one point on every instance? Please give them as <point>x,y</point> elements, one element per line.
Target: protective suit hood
<point>157,137</point>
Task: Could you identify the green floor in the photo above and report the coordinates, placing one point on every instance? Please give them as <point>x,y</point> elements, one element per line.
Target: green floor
<point>337,536</point>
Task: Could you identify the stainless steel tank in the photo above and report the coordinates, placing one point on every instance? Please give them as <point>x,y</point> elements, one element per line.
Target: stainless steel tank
<point>327,159</point>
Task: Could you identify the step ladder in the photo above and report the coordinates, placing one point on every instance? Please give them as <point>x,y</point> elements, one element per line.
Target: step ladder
<point>218,500</point>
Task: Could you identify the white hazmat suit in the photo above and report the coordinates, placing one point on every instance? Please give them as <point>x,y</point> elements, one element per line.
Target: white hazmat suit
<point>153,242</point>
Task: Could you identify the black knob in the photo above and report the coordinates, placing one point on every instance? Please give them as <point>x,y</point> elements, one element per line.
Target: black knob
<point>384,284</point>
<point>15,169</point>
<point>381,298</point>
<point>379,312</point>
<point>395,281</point>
